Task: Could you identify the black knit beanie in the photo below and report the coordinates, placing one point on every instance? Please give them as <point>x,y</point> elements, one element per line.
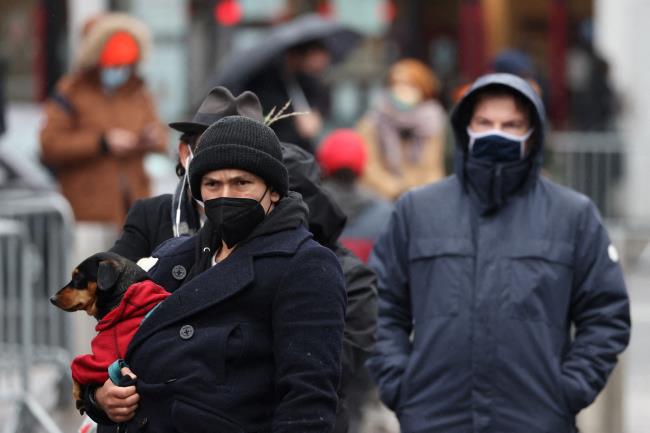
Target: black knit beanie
<point>241,143</point>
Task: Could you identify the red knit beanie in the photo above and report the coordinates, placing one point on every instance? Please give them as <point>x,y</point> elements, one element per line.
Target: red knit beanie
<point>120,49</point>
<point>342,148</point>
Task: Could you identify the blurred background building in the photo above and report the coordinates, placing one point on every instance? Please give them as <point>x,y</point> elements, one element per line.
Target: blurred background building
<point>583,53</point>
<point>588,57</point>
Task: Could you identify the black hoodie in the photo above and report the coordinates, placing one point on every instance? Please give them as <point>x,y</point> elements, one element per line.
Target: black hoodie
<point>326,222</point>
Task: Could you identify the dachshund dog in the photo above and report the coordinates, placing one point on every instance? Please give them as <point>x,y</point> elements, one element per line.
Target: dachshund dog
<point>98,284</point>
<point>116,292</point>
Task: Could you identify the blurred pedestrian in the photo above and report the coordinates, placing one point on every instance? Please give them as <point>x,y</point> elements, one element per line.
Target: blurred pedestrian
<point>519,63</point>
<point>342,155</point>
<point>258,304</point>
<point>594,103</point>
<point>482,277</point>
<point>405,132</point>
<point>151,221</point>
<point>326,220</point>
<point>101,122</point>
<point>297,77</point>
<point>287,67</point>
<point>594,106</point>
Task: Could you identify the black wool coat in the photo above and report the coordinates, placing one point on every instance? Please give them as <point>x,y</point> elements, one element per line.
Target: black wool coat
<point>148,224</point>
<point>251,344</point>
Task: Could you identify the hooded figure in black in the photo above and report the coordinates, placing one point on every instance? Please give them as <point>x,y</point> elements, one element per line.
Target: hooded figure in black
<point>326,221</point>
<point>482,276</point>
<point>249,340</point>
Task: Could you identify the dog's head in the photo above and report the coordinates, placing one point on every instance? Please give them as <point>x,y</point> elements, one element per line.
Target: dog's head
<point>97,284</point>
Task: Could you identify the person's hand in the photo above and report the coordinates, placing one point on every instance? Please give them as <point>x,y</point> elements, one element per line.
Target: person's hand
<point>119,403</point>
<point>151,135</point>
<point>120,141</point>
<point>309,124</point>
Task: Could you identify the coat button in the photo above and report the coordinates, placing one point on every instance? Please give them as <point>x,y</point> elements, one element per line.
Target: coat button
<point>187,331</point>
<point>143,422</point>
<point>179,272</point>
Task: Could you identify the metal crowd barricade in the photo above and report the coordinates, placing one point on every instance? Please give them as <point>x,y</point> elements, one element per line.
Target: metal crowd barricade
<point>48,219</point>
<point>589,162</point>
<point>47,223</point>
<point>16,330</point>
<point>593,163</point>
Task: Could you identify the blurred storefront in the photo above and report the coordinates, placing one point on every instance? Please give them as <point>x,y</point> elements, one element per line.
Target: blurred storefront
<point>458,38</point>
<point>33,46</point>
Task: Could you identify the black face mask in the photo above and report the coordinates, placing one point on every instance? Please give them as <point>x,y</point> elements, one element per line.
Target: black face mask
<point>234,218</point>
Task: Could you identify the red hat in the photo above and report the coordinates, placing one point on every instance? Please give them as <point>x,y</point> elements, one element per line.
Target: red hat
<point>120,49</point>
<point>342,148</point>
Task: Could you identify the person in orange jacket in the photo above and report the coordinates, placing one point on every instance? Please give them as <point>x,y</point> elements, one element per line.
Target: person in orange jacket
<point>101,121</point>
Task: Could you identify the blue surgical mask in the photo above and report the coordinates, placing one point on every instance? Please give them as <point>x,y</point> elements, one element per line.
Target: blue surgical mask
<point>114,77</point>
<point>497,146</point>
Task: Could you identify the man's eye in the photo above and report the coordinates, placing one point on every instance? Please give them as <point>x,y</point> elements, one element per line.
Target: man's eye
<point>513,127</point>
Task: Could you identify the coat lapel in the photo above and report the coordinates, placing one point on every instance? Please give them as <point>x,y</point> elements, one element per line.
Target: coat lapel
<point>218,283</point>
<point>207,289</point>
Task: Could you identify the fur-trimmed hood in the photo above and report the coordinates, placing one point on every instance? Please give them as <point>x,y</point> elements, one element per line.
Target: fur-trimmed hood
<point>99,29</point>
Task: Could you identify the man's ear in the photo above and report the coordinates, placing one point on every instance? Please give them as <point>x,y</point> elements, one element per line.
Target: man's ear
<point>183,153</point>
<point>108,273</point>
<point>275,196</point>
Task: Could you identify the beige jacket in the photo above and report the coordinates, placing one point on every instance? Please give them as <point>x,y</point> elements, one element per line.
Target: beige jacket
<point>428,168</point>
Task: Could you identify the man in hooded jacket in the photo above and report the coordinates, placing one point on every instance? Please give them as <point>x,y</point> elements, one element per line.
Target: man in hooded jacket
<point>481,277</point>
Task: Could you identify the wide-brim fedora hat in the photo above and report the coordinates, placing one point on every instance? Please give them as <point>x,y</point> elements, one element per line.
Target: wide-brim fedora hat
<point>218,104</point>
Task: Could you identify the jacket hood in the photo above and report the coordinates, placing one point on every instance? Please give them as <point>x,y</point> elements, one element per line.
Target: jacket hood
<point>326,219</point>
<point>99,29</point>
<point>491,185</point>
<point>289,213</point>
<point>462,113</point>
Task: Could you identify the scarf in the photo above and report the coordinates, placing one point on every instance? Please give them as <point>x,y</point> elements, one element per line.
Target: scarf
<point>410,127</point>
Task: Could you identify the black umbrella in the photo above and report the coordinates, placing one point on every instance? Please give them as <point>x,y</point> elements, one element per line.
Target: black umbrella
<point>242,65</point>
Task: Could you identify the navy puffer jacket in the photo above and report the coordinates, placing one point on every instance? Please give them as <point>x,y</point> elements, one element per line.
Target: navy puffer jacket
<point>476,307</point>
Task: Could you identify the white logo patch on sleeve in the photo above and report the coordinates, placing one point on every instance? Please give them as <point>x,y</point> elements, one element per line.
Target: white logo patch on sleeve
<point>613,253</point>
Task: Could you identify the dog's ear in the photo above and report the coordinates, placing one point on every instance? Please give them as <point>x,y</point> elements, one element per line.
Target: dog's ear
<point>108,273</point>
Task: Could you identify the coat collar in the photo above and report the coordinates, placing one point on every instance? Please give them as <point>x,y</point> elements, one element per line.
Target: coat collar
<point>218,283</point>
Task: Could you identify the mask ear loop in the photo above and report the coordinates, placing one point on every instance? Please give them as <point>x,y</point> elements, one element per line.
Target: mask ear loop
<point>524,139</point>
<point>266,212</point>
<point>177,219</point>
